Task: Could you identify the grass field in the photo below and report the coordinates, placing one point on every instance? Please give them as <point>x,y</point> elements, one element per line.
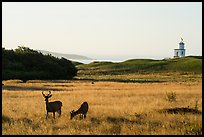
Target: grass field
<point>114,107</point>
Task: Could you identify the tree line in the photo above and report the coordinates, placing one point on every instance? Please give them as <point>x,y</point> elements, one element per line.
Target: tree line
<point>27,64</point>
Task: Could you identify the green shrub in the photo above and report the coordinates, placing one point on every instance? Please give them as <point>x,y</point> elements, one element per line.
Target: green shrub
<point>27,64</point>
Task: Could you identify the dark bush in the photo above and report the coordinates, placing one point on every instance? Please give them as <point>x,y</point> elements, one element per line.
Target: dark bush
<point>27,64</point>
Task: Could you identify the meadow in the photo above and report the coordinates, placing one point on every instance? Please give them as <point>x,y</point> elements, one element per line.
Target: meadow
<point>115,108</point>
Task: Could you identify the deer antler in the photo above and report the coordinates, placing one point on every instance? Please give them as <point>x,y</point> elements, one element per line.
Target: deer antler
<point>43,94</point>
<point>49,94</point>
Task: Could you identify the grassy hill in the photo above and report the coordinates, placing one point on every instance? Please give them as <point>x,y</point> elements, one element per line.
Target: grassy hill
<point>184,64</point>
<point>104,70</point>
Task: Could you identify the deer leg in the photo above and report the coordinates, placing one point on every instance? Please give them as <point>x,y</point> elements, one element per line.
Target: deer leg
<point>47,115</point>
<point>81,116</point>
<point>54,115</point>
<point>84,115</point>
<point>59,112</point>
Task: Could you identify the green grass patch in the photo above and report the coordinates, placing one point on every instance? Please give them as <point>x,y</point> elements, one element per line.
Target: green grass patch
<point>184,68</point>
<point>140,66</point>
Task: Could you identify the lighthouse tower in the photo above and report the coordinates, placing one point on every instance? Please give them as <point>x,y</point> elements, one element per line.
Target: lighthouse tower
<point>181,51</point>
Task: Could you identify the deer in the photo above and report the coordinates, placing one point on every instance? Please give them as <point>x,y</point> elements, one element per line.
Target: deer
<point>52,106</point>
<point>82,110</point>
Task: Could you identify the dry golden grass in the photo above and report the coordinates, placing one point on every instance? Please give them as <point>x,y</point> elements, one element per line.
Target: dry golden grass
<point>114,108</point>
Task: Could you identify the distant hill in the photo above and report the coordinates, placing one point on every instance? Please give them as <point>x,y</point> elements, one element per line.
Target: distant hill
<point>67,56</point>
<point>183,64</point>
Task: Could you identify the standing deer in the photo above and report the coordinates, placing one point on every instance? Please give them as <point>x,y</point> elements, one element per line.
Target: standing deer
<point>82,110</point>
<point>52,106</point>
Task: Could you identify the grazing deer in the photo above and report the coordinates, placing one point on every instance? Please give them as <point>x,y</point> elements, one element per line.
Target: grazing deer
<point>82,110</point>
<point>52,106</point>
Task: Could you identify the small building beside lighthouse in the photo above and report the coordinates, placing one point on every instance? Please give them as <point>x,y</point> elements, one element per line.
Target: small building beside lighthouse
<point>180,52</point>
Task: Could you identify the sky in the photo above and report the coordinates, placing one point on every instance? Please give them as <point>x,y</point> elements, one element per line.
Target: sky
<point>104,29</point>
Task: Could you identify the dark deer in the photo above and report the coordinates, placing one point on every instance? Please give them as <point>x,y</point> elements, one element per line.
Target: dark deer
<point>52,106</point>
<point>82,110</point>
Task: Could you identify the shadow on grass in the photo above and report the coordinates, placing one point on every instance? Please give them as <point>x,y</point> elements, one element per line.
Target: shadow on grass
<point>182,110</point>
<point>125,80</point>
<point>6,119</point>
<point>95,121</point>
<point>49,81</point>
<point>124,120</point>
<point>25,121</point>
<point>27,88</point>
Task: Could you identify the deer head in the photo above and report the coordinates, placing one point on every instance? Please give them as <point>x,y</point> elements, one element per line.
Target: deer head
<point>47,96</point>
<point>72,114</point>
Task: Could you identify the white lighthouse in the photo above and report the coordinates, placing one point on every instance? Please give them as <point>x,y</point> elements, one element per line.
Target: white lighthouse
<point>181,51</point>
